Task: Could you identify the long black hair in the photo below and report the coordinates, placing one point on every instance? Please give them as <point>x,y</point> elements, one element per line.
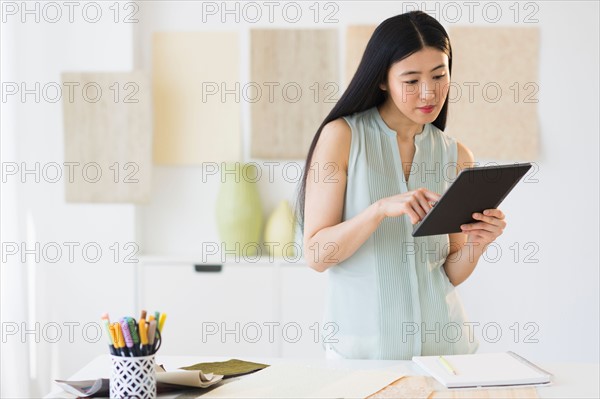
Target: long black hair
<point>393,40</point>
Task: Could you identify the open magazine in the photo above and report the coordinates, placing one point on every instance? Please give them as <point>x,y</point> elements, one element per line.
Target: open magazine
<point>165,381</point>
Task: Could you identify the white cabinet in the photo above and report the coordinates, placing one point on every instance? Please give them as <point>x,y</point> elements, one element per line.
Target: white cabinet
<point>240,309</point>
<point>303,293</point>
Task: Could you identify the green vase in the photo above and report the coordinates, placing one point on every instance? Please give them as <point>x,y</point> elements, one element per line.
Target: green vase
<point>239,210</point>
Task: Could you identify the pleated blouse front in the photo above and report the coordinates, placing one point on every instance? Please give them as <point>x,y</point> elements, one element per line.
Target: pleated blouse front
<point>392,299</point>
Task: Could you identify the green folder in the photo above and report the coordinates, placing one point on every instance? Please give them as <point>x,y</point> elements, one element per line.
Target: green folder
<point>229,368</point>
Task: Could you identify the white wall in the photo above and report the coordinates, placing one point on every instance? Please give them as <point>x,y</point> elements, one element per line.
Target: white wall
<point>559,214</point>
<point>560,292</point>
<point>61,292</point>
<point>538,308</point>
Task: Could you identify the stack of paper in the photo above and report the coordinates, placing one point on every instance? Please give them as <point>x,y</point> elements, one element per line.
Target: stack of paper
<point>165,381</point>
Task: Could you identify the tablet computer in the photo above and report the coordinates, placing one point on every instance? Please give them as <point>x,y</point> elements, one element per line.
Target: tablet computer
<point>474,190</point>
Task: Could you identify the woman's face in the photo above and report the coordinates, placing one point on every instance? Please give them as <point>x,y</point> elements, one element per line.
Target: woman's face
<point>418,84</point>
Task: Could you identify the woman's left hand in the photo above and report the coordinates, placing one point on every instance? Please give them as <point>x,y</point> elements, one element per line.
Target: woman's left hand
<point>488,227</point>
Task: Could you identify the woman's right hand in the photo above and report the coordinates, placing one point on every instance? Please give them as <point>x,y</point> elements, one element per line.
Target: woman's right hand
<point>416,204</point>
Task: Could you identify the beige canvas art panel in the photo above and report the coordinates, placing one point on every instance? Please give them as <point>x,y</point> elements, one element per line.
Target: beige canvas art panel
<point>197,97</point>
<point>108,137</point>
<point>357,37</point>
<point>494,92</point>
<point>295,78</point>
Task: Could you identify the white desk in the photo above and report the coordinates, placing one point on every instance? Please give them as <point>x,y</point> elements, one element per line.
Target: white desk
<point>571,380</point>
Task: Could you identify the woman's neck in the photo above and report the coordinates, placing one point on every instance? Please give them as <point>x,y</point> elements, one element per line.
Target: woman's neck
<point>405,129</point>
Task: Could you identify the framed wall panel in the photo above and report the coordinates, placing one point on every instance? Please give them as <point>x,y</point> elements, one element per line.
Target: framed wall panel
<point>357,37</point>
<point>108,137</point>
<point>295,81</point>
<point>494,93</point>
<point>195,120</point>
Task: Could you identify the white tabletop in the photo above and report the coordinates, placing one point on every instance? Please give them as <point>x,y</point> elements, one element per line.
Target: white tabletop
<point>571,380</point>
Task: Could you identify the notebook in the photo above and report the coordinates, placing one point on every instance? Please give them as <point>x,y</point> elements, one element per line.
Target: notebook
<point>483,370</point>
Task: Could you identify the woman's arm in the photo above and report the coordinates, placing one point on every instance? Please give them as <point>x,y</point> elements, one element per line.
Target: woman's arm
<point>467,247</point>
<point>328,240</point>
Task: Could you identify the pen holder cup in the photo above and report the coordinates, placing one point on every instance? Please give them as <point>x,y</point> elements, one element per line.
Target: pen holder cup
<point>133,377</point>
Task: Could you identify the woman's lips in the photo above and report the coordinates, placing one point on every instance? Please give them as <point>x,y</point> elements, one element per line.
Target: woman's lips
<point>427,109</point>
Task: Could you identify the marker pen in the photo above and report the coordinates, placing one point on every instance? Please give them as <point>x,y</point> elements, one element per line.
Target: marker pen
<point>127,337</point>
<point>144,337</point>
<point>151,336</point>
<point>161,321</point>
<point>106,322</point>
<point>134,335</point>
<point>120,340</point>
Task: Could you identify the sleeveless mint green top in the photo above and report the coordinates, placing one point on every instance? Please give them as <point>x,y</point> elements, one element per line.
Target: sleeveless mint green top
<point>392,299</point>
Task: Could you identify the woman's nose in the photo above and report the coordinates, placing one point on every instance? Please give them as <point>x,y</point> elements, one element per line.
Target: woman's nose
<point>428,91</point>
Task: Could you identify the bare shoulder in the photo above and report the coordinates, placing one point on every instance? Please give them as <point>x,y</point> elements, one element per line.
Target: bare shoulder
<point>465,158</point>
<point>334,143</point>
<point>337,131</point>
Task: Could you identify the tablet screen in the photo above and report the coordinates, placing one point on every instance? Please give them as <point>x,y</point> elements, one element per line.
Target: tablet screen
<point>474,190</point>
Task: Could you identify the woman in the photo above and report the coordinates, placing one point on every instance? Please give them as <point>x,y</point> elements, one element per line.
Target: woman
<point>376,165</point>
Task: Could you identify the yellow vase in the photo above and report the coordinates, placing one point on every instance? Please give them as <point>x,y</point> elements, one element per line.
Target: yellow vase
<point>279,232</point>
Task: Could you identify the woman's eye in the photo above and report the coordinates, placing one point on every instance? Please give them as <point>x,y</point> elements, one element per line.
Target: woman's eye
<point>438,77</point>
<point>411,82</point>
